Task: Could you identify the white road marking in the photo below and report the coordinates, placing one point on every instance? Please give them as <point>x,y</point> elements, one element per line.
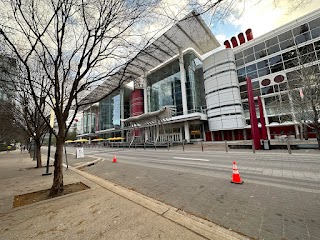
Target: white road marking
<point>192,159</point>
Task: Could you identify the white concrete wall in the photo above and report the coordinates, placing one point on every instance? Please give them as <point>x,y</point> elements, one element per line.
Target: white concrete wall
<point>222,92</point>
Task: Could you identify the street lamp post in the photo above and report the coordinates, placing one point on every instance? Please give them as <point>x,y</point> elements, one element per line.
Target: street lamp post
<point>49,143</point>
<point>34,147</point>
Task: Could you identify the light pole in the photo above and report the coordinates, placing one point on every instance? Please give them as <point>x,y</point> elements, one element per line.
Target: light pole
<point>34,146</point>
<point>49,143</point>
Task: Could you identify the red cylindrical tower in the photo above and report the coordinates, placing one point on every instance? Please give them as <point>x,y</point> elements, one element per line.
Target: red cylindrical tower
<point>227,44</point>
<point>249,34</point>
<point>241,38</point>
<point>234,42</point>
<point>137,107</point>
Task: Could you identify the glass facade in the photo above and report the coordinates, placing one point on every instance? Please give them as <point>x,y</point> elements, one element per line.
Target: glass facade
<point>164,85</point>
<point>89,119</point>
<point>195,83</point>
<point>109,112</point>
<point>275,55</point>
<point>164,88</point>
<point>248,61</point>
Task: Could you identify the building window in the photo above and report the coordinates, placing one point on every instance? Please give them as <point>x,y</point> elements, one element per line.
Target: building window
<point>239,62</point>
<point>272,41</point>
<point>276,68</point>
<point>263,64</point>
<point>315,32</point>
<point>249,58</point>
<point>252,75</point>
<point>286,35</point>
<point>251,68</point>
<point>314,23</point>
<point>301,29</point>
<point>273,49</point>
<point>261,54</point>
<point>267,90</point>
<point>238,55</point>
<point>264,71</point>
<point>275,60</point>
<point>302,38</point>
<point>286,44</point>
<point>317,45</point>
<point>289,55</point>
<point>165,88</point>
<point>306,49</point>
<point>248,51</point>
<point>291,63</point>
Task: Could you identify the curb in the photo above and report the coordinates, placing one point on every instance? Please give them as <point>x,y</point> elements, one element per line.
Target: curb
<point>199,226</point>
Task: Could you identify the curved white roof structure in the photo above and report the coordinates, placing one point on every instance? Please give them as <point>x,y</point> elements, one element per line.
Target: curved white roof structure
<point>150,118</point>
<point>190,32</point>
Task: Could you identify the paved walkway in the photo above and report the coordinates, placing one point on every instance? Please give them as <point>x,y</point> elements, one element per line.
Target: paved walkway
<point>105,211</point>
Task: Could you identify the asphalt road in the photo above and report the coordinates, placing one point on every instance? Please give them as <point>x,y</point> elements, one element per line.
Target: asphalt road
<point>280,197</point>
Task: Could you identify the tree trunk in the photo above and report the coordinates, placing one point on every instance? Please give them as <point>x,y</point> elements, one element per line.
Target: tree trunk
<point>317,134</point>
<point>57,186</point>
<point>38,154</point>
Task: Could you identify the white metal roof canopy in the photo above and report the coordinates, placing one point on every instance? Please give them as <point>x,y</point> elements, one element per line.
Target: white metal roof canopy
<point>150,118</point>
<point>190,32</point>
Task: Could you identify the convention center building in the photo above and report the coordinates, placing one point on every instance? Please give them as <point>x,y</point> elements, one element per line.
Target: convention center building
<point>189,88</point>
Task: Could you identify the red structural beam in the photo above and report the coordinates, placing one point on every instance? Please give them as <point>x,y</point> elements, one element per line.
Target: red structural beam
<point>262,120</point>
<point>253,116</point>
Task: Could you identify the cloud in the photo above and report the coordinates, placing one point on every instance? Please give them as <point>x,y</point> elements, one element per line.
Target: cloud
<point>221,38</point>
<point>264,16</point>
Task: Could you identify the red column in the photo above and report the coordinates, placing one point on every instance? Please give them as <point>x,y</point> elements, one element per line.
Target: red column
<point>262,120</point>
<point>253,116</point>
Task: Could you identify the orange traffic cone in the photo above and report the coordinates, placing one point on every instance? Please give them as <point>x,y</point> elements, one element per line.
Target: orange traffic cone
<point>236,175</point>
<point>114,159</point>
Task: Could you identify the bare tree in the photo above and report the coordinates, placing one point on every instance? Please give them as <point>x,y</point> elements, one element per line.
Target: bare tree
<point>304,90</point>
<point>77,43</point>
<point>20,107</point>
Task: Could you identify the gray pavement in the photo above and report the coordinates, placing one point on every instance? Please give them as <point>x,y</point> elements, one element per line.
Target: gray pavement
<point>280,198</point>
<point>105,211</point>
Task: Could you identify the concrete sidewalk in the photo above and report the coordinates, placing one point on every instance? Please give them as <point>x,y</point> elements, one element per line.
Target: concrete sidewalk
<point>105,211</point>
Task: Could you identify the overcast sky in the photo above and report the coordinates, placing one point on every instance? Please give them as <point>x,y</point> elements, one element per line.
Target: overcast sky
<point>261,16</point>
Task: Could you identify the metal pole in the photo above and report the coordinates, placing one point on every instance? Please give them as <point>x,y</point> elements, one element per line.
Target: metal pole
<point>65,152</point>
<point>48,158</point>
<point>135,146</point>
<point>144,145</point>
<point>202,146</point>
<point>183,144</point>
<point>168,145</point>
<point>253,148</point>
<point>34,150</point>
<point>288,146</point>
<point>155,147</point>
<point>226,145</point>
